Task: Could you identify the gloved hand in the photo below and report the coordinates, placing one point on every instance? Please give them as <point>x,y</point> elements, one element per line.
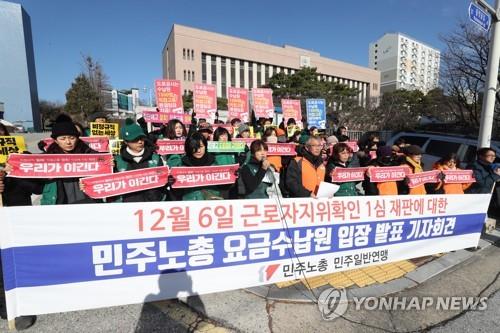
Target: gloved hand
<point>170,181</point>
<point>441,176</point>
<point>42,145</point>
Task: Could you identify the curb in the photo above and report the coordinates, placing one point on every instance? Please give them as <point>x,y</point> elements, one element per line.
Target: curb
<point>298,293</point>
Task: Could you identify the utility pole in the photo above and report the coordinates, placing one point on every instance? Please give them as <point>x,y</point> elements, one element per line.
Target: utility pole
<point>489,98</point>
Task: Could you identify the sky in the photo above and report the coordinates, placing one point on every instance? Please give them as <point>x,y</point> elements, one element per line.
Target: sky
<point>127,36</point>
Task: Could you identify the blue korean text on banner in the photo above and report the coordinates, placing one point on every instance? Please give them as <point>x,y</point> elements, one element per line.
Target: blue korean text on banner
<point>316,113</point>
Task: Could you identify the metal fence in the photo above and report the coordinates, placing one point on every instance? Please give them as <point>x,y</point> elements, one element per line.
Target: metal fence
<point>358,135</point>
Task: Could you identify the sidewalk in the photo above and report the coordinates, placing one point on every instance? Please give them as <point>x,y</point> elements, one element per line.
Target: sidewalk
<point>291,308</point>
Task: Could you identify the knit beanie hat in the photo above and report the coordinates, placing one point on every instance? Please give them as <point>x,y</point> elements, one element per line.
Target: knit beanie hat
<point>384,151</point>
<point>131,131</point>
<point>64,126</point>
<point>413,150</point>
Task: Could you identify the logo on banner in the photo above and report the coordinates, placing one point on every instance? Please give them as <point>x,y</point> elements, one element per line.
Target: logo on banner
<point>332,303</point>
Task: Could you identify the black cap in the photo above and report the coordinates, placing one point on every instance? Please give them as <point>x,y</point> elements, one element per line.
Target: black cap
<point>64,126</point>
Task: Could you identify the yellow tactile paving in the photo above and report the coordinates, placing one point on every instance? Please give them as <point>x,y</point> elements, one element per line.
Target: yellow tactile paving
<point>286,283</point>
<point>361,277</point>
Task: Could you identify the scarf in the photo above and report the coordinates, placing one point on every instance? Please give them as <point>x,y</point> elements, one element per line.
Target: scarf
<point>417,168</point>
<point>136,156</point>
<point>206,160</point>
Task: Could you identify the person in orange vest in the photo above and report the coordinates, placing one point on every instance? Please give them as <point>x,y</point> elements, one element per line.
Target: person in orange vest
<point>385,158</point>
<point>306,171</point>
<point>414,161</point>
<point>449,162</point>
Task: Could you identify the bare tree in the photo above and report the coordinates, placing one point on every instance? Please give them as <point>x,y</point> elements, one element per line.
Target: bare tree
<point>463,75</point>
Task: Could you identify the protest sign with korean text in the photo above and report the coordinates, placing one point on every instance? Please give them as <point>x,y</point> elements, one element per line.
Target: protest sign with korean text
<point>169,147</point>
<point>291,109</point>
<point>262,102</point>
<point>11,145</point>
<point>281,149</point>
<point>458,176</point>
<point>205,101</point>
<point>115,145</point>
<point>343,175</point>
<point>165,117</point>
<point>111,130</point>
<point>421,178</point>
<point>237,104</point>
<point>204,176</point>
<point>88,255</point>
<point>168,96</point>
<point>316,113</point>
<point>125,182</point>
<point>247,141</point>
<point>388,174</point>
<point>226,147</point>
<point>60,165</point>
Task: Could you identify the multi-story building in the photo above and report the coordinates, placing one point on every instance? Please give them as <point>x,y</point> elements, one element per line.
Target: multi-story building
<point>198,56</point>
<point>18,88</point>
<point>404,63</point>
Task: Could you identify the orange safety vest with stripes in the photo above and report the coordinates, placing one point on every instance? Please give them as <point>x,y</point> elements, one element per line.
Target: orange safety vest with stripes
<point>311,176</point>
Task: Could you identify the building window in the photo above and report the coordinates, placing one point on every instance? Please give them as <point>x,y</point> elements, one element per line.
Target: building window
<point>185,92</point>
<point>266,74</point>
<point>192,76</point>
<point>223,77</point>
<point>242,74</point>
<point>214,71</point>
<point>183,53</point>
<point>189,75</point>
<point>233,72</point>
<point>192,54</point>
<point>375,86</point>
<point>203,68</point>
<point>259,73</point>
<point>375,57</point>
<point>185,75</point>
<point>250,75</point>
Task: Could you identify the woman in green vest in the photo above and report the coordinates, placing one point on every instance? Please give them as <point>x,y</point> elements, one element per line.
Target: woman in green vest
<point>196,155</point>
<point>256,176</point>
<point>137,153</point>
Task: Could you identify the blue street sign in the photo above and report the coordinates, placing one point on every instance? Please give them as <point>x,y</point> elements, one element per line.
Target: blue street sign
<point>479,16</point>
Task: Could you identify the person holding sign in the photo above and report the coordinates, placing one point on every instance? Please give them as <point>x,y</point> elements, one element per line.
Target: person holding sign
<point>306,172</point>
<point>271,136</point>
<point>221,134</point>
<point>385,158</point>
<point>414,161</point>
<point>196,155</point>
<point>174,130</point>
<point>66,141</point>
<point>137,153</point>
<point>449,162</point>
<point>485,170</point>
<point>256,176</point>
<point>340,158</point>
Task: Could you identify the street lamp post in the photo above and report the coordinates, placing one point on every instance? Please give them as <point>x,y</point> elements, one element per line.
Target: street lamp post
<point>489,98</point>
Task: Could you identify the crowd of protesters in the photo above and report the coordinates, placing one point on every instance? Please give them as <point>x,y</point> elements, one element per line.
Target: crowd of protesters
<point>259,175</point>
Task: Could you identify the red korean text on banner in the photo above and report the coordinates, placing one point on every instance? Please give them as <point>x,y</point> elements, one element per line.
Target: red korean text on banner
<point>247,141</point>
<point>262,99</point>
<point>97,143</point>
<point>353,145</point>
<point>458,176</point>
<point>169,147</point>
<point>204,176</point>
<point>421,178</point>
<point>205,101</point>
<point>343,175</point>
<point>60,165</point>
<point>237,104</point>
<point>291,109</point>
<point>168,96</point>
<point>125,182</point>
<point>388,174</point>
<point>281,149</point>
<point>165,117</point>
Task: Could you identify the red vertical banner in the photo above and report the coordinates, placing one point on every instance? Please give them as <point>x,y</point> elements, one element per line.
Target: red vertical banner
<point>237,103</point>
<point>291,109</point>
<point>263,102</point>
<point>168,96</point>
<point>205,101</point>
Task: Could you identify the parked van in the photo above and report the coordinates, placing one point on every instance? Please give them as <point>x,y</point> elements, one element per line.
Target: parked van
<point>436,146</point>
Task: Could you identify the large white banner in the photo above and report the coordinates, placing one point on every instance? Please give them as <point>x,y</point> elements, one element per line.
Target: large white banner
<point>73,257</point>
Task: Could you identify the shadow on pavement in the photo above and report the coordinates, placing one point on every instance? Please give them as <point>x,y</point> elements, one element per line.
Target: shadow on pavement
<point>172,284</point>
